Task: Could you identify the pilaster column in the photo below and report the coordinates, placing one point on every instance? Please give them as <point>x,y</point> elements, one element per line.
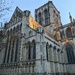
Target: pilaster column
<point>10,51</point>
<point>50,53</point>
<point>52,61</point>
<point>38,57</point>
<point>63,61</point>
<point>59,57</point>
<point>57,66</point>
<point>7,50</point>
<point>25,53</point>
<point>31,69</point>
<point>46,64</point>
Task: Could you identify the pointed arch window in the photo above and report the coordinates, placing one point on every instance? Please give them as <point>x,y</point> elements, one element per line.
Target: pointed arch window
<point>31,50</point>
<point>40,18</point>
<point>14,30</point>
<point>62,34</point>
<point>47,48</point>
<point>68,32</point>
<point>13,42</point>
<point>70,54</point>
<point>16,51</point>
<point>34,50</point>
<point>46,15</point>
<point>9,49</point>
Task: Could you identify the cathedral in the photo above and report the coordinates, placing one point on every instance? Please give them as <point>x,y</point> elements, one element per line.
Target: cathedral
<point>40,46</point>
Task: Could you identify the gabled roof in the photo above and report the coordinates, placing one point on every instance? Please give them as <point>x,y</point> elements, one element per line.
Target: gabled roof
<point>47,4</point>
<point>15,14</point>
<point>34,25</point>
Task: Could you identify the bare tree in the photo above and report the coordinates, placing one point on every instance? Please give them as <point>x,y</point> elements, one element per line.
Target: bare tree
<point>4,7</point>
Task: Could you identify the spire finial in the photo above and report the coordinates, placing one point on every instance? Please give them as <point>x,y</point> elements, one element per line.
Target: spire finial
<point>70,17</point>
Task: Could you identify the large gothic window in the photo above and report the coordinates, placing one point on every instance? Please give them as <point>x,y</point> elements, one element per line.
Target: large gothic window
<point>16,51</point>
<point>40,18</point>
<point>68,32</point>
<point>62,35</point>
<point>46,15</point>
<point>13,42</point>
<point>34,50</point>
<point>70,54</point>
<point>31,50</point>
<point>9,49</point>
<point>6,50</point>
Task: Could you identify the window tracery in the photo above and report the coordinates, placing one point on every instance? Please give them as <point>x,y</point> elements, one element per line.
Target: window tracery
<point>46,15</point>
<point>68,32</point>
<point>40,18</point>
<point>70,53</point>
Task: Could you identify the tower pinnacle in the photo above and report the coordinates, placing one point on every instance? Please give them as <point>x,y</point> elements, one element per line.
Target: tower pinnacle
<point>70,17</point>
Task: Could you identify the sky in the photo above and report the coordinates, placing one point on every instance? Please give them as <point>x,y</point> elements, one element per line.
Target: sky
<point>64,6</point>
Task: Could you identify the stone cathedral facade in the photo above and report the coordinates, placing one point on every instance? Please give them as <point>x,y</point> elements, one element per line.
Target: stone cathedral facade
<point>37,47</point>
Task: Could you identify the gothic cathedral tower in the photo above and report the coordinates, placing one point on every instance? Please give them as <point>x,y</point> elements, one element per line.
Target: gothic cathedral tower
<point>48,16</point>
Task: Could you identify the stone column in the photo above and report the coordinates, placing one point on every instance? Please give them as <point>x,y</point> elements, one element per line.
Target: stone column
<point>25,69</point>
<point>61,60</point>
<point>38,58</point>
<point>10,51</point>
<point>59,57</point>
<point>56,59</point>
<point>31,69</point>
<point>52,61</point>
<point>58,65</point>
<point>45,63</point>
<point>22,48</point>
<point>25,56</point>
<point>7,50</point>
<point>63,65</point>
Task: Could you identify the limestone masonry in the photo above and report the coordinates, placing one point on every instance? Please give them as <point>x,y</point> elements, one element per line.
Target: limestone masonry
<point>37,47</point>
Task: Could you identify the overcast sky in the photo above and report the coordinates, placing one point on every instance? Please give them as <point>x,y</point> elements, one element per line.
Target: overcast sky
<point>64,6</point>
